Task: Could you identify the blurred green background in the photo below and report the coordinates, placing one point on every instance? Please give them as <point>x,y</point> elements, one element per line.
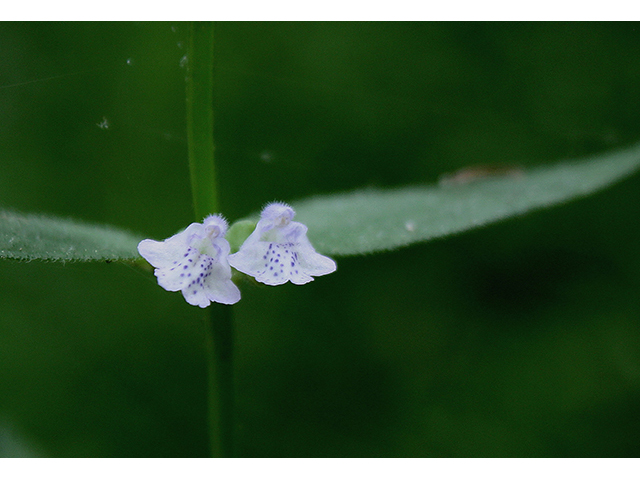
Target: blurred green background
<point>518,339</point>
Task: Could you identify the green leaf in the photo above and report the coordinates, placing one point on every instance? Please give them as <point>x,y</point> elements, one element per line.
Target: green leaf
<point>375,220</point>
<point>354,223</point>
<point>31,237</point>
<point>238,233</point>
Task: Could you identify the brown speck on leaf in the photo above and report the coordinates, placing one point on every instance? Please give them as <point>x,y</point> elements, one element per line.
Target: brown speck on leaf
<point>471,174</point>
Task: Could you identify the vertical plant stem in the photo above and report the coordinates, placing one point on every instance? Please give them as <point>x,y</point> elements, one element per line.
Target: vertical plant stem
<point>220,358</point>
<point>219,322</point>
<point>200,118</point>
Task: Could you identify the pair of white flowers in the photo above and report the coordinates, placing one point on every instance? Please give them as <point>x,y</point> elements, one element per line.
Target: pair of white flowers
<point>197,261</point>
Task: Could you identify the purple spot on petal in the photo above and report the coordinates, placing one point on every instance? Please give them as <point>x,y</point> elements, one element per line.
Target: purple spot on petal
<point>293,264</point>
<point>185,267</point>
<point>270,268</point>
<point>182,274</point>
<point>195,291</point>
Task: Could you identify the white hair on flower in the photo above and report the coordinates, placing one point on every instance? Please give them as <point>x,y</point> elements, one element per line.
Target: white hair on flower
<point>195,261</point>
<point>279,251</point>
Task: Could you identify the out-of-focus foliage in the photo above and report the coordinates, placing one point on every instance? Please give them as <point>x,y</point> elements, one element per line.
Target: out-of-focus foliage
<point>517,339</point>
<point>31,237</point>
<point>372,220</point>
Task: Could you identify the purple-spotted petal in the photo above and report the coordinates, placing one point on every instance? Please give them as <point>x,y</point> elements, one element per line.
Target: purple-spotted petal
<point>278,250</point>
<point>194,261</point>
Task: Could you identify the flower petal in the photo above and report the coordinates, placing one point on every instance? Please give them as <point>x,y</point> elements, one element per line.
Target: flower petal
<point>250,258</point>
<point>278,251</point>
<point>195,262</point>
<point>181,271</point>
<point>217,284</point>
<point>196,296</point>
<point>312,262</point>
<point>158,254</point>
<point>209,281</point>
<point>163,254</point>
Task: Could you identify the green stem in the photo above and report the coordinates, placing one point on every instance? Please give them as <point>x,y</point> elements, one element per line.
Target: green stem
<point>220,351</point>
<point>219,324</point>
<point>200,118</point>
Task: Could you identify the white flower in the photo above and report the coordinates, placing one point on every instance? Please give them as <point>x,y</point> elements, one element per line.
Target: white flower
<point>195,261</point>
<point>278,250</point>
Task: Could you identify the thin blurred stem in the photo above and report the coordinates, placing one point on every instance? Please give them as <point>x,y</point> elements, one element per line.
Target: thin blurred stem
<point>219,322</point>
<point>219,337</point>
<point>200,118</point>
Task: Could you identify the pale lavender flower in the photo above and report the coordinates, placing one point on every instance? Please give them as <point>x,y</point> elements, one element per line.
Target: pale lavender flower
<point>278,250</point>
<point>195,261</point>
